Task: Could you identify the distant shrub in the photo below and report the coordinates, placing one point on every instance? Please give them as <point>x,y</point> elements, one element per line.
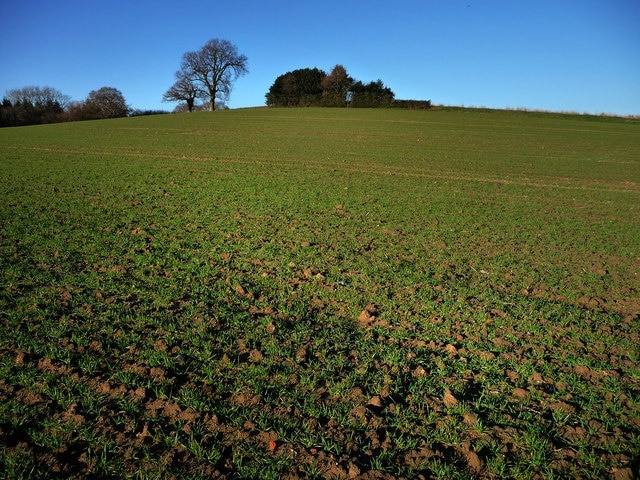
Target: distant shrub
<point>412,104</point>
<point>140,113</point>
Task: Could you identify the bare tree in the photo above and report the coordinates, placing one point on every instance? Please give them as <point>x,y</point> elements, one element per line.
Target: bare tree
<point>183,90</point>
<point>33,105</point>
<point>214,68</point>
<point>38,96</point>
<point>107,102</point>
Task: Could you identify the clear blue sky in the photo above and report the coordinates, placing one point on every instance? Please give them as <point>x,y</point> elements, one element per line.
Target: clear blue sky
<point>562,55</point>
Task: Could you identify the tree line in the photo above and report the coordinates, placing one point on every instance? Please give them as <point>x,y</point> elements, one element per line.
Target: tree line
<point>207,74</point>
<point>307,87</point>
<point>36,105</point>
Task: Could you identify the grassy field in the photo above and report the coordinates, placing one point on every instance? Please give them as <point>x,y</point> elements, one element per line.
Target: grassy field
<point>319,293</point>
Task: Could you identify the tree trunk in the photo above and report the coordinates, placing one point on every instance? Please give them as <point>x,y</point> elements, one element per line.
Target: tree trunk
<point>212,100</point>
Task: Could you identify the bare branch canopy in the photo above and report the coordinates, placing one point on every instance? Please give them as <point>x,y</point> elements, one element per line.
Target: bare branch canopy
<point>208,72</point>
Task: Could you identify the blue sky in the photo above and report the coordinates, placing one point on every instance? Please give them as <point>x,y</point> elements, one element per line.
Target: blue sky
<point>561,55</point>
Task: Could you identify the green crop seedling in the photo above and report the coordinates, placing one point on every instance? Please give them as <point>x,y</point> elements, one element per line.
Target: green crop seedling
<point>272,293</point>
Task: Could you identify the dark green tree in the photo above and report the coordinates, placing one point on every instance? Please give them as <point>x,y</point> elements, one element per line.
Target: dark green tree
<point>298,88</point>
<point>307,87</point>
<point>373,94</point>
<point>7,113</point>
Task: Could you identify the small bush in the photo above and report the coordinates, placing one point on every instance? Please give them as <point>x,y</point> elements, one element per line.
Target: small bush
<point>412,104</point>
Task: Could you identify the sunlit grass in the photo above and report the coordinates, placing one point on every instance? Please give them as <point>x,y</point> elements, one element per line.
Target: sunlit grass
<point>256,293</point>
